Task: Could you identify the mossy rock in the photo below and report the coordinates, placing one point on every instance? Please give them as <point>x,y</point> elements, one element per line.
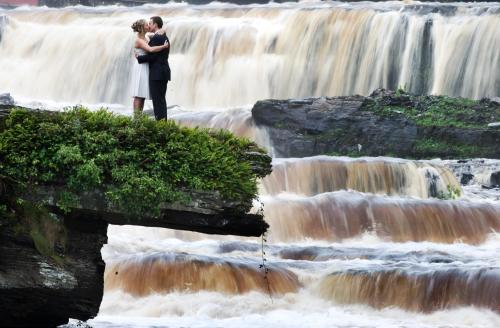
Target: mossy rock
<point>139,163</point>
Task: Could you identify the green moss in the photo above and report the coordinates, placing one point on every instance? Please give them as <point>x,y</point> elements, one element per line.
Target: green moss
<point>452,192</point>
<point>436,110</point>
<point>329,135</point>
<point>430,147</point>
<point>281,125</point>
<point>41,243</point>
<point>44,229</point>
<point>138,163</point>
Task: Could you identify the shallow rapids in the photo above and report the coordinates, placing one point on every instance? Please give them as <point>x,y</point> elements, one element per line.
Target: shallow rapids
<point>362,242</point>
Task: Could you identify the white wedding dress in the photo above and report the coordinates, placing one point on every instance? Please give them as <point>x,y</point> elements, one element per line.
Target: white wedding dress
<point>140,77</point>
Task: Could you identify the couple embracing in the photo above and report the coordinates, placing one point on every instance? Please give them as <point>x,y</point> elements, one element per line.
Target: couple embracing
<point>151,72</point>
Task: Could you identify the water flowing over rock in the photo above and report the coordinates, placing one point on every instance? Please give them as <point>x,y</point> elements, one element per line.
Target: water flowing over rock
<point>346,234</point>
<point>169,273</point>
<point>92,3</point>
<point>342,215</point>
<point>253,52</point>
<point>475,171</point>
<point>3,22</point>
<point>416,291</point>
<point>238,120</point>
<point>313,175</point>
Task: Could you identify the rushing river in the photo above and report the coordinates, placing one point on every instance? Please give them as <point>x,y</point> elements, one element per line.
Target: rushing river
<point>352,242</point>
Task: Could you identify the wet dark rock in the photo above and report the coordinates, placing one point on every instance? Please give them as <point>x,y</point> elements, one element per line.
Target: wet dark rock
<point>466,178</point>
<point>45,291</point>
<point>433,183</point>
<point>495,179</point>
<point>470,171</point>
<point>38,291</point>
<point>6,100</point>
<point>350,126</point>
<point>309,127</point>
<point>207,213</point>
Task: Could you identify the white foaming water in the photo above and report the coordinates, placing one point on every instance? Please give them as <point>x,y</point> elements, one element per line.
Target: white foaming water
<point>480,169</point>
<point>237,120</point>
<point>224,58</point>
<point>294,310</point>
<point>313,261</point>
<point>228,55</point>
<point>304,308</point>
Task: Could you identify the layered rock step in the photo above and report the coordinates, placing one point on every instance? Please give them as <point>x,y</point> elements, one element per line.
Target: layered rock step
<point>340,215</point>
<point>379,175</point>
<point>415,288</point>
<point>170,272</point>
<point>390,123</point>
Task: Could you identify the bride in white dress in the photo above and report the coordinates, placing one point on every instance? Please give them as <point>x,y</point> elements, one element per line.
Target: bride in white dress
<point>140,72</point>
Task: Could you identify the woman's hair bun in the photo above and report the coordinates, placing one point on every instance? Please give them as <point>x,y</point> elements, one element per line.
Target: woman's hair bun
<point>138,25</point>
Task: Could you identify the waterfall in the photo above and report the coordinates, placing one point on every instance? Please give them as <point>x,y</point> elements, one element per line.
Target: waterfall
<point>227,56</point>
<point>163,273</point>
<point>341,215</point>
<point>313,175</point>
<point>417,291</point>
<point>3,23</point>
<point>344,232</point>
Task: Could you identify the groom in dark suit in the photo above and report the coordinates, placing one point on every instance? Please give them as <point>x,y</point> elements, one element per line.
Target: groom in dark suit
<point>159,70</point>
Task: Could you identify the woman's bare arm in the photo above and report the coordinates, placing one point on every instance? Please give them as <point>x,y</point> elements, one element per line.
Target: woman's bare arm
<point>141,44</point>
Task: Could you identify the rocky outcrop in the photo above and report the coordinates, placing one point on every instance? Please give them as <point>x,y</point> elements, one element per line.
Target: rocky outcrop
<point>44,282</point>
<point>495,179</point>
<point>385,123</point>
<point>50,259</point>
<point>6,100</point>
<point>51,267</point>
<point>206,213</point>
<point>50,264</point>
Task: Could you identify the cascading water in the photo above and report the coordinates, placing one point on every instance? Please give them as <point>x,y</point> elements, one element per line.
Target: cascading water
<point>226,55</point>
<point>341,215</point>
<point>313,175</point>
<point>353,242</point>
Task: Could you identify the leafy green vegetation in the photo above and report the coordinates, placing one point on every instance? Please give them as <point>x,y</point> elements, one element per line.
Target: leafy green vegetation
<point>138,163</point>
<point>436,110</point>
<point>430,147</point>
<point>452,192</point>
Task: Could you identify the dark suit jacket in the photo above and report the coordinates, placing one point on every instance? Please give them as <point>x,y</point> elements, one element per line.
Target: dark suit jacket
<point>159,70</point>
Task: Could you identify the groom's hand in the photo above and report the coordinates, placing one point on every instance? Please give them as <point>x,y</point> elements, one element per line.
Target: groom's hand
<point>161,31</point>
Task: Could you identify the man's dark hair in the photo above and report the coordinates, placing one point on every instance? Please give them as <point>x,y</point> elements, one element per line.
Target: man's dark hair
<point>157,20</point>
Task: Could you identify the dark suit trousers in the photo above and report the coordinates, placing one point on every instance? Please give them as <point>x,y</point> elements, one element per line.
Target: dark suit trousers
<point>158,91</point>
